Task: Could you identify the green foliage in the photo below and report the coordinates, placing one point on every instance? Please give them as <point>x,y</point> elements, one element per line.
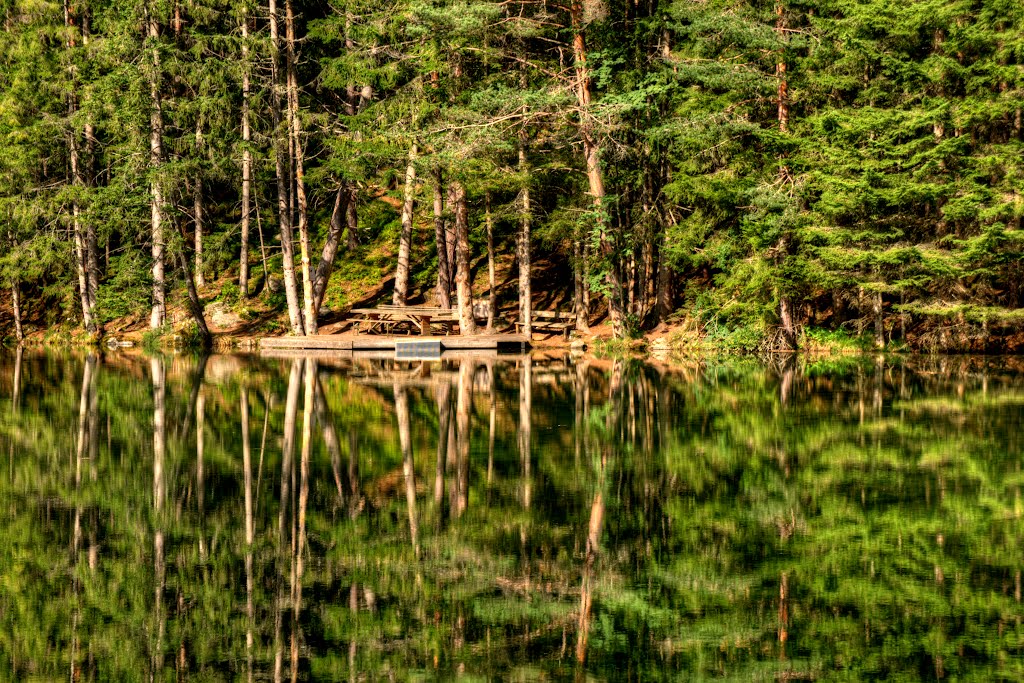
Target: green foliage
<point>154,339</point>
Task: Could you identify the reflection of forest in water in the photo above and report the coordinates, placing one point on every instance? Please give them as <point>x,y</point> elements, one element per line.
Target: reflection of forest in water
<point>238,517</point>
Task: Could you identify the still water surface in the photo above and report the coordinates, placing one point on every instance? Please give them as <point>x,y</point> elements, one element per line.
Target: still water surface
<point>245,518</point>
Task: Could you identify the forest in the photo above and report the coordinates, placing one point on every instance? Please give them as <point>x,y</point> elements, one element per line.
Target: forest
<point>758,174</point>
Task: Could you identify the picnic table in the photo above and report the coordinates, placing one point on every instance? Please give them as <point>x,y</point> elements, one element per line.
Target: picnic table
<point>387,317</point>
<point>550,321</point>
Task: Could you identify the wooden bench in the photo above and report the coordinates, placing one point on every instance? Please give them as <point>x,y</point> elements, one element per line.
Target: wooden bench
<point>550,321</point>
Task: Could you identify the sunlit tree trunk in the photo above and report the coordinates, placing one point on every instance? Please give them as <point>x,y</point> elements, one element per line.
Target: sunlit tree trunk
<point>92,259</point>
<point>281,171</point>
<point>156,155</point>
<point>78,232</point>
<point>595,175</point>
<point>243,261</point>
<point>198,211</point>
<point>19,331</point>
<point>405,240</point>
<point>789,335</point>
<point>444,273</point>
<point>197,234</point>
<point>295,124</point>
<point>463,277</point>
<point>523,246</point>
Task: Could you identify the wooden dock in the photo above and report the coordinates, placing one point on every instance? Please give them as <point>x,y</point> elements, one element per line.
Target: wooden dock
<point>329,342</point>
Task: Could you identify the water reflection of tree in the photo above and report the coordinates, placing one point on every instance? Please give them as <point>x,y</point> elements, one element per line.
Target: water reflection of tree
<point>601,518</point>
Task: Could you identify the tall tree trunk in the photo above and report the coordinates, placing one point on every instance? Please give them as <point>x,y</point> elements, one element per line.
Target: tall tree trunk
<point>444,273</point>
<point>197,235</point>
<point>595,176</point>
<point>492,295</point>
<point>243,261</point>
<point>156,154</point>
<point>92,259</point>
<point>300,185</point>
<point>463,277</point>
<point>789,336</point>
<point>405,240</point>
<point>76,179</point>
<point>326,264</point>
<point>19,332</point>
<point>282,174</point>
<point>197,209</point>
<point>780,72</point>
<point>523,245</point>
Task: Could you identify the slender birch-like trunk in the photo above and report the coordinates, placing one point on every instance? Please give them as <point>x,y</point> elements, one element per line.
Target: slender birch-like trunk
<point>405,240</point>
<point>197,217</point>
<point>310,322</point>
<point>523,246</point>
<point>789,334</point>
<point>78,234</point>
<point>444,272</point>
<point>92,259</point>
<point>19,332</point>
<point>243,261</point>
<point>282,167</point>
<point>463,277</point>
<point>156,155</point>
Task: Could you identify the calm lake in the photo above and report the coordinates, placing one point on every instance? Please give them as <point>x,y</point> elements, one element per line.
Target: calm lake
<point>513,518</point>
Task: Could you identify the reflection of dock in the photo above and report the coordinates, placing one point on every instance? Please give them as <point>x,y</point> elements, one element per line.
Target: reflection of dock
<point>387,343</point>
